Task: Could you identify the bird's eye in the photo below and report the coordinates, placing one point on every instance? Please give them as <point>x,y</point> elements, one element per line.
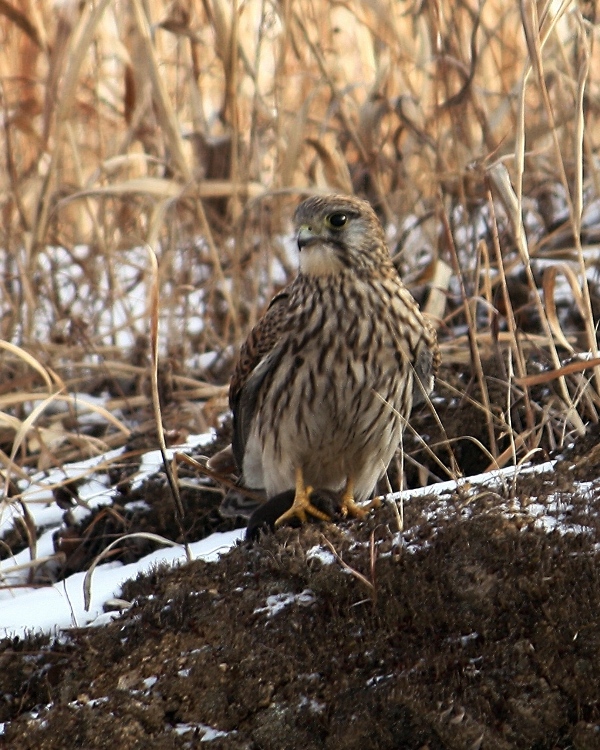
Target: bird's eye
<point>337,220</point>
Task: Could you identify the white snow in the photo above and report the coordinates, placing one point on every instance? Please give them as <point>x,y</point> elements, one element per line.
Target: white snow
<point>61,605</point>
<point>320,553</point>
<point>278,602</point>
<point>25,608</point>
<point>153,462</point>
<point>208,735</point>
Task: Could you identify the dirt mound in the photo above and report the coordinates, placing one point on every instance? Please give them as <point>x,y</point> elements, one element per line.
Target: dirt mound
<point>474,628</point>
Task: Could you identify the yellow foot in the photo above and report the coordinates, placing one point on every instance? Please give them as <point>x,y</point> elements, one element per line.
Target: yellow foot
<point>301,507</point>
<point>349,507</point>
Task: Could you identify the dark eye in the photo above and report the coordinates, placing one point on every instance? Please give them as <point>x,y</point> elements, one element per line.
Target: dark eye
<point>337,220</point>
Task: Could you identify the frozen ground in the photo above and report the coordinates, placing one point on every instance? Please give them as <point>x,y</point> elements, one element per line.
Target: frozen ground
<point>30,608</point>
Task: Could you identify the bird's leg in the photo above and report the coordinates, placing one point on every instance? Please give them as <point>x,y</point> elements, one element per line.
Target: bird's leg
<point>349,507</point>
<point>348,504</point>
<point>301,505</point>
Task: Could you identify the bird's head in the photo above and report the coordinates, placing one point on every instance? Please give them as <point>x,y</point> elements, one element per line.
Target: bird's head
<point>337,232</point>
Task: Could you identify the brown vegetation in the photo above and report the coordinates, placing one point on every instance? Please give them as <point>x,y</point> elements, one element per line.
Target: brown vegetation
<point>151,155</point>
<point>192,131</point>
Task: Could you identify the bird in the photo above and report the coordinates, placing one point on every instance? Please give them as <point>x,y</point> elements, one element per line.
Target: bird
<point>326,380</point>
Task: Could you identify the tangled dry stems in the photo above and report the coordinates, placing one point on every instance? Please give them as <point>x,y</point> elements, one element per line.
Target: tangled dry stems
<point>194,130</point>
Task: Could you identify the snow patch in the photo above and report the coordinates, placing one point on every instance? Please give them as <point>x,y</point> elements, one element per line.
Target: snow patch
<point>278,602</point>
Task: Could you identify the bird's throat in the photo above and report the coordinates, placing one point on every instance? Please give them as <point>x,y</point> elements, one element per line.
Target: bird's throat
<point>319,260</point>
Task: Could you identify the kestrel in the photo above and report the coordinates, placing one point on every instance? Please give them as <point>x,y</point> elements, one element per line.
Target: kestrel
<point>326,380</point>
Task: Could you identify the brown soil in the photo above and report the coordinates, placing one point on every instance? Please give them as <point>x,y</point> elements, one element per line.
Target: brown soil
<point>474,627</point>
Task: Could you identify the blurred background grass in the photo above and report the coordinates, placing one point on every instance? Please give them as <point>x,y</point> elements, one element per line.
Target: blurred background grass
<point>195,127</point>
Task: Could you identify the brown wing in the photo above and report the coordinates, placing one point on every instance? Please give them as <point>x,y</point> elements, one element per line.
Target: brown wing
<point>427,359</point>
<point>259,347</point>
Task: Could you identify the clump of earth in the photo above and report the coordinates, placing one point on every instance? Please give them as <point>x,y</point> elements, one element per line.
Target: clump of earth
<point>458,621</point>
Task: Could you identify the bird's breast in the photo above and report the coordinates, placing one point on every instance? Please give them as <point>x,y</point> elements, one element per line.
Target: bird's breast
<point>336,400</point>
<point>342,352</point>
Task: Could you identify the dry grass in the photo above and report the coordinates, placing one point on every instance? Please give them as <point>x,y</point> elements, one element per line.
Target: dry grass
<point>195,129</point>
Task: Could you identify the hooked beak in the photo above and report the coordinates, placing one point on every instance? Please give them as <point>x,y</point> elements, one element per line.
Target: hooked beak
<point>306,236</point>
